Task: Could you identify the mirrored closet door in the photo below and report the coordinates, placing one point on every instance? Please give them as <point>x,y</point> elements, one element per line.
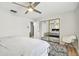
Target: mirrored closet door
<point>50,30</point>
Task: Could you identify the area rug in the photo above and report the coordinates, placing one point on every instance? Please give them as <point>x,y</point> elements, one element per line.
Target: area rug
<point>57,50</point>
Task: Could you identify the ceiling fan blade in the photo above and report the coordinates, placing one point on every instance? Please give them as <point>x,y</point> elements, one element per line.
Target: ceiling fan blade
<point>30,2</point>
<point>19,4</point>
<point>26,12</point>
<point>35,4</point>
<point>37,11</point>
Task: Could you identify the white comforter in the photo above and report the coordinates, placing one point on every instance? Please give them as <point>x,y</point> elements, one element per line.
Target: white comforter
<point>22,46</point>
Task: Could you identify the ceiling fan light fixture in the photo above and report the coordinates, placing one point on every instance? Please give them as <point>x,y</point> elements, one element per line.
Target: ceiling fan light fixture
<point>30,9</point>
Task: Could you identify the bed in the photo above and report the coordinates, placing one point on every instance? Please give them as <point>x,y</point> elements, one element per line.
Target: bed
<point>23,46</point>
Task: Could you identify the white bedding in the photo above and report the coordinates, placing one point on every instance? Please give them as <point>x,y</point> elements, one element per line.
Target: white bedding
<point>22,46</point>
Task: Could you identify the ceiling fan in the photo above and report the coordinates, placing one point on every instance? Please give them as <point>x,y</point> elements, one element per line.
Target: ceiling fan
<point>30,7</point>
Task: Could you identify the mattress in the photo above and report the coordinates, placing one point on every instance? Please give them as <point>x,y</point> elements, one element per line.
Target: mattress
<point>23,46</point>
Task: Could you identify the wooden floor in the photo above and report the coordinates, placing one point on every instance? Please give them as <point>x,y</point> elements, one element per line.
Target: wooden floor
<point>72,51</point>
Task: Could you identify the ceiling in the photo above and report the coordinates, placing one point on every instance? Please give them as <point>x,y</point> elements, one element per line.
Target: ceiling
<point>47,8</point>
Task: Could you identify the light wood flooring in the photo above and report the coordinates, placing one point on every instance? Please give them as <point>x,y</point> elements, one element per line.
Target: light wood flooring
<point>72,51</point>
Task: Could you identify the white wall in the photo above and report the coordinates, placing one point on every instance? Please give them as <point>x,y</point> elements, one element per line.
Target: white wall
<point>11,25</point>
<point>36,30</point>
<point>44,27</point>
<point>77,24</point>
<point>67,23</point>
